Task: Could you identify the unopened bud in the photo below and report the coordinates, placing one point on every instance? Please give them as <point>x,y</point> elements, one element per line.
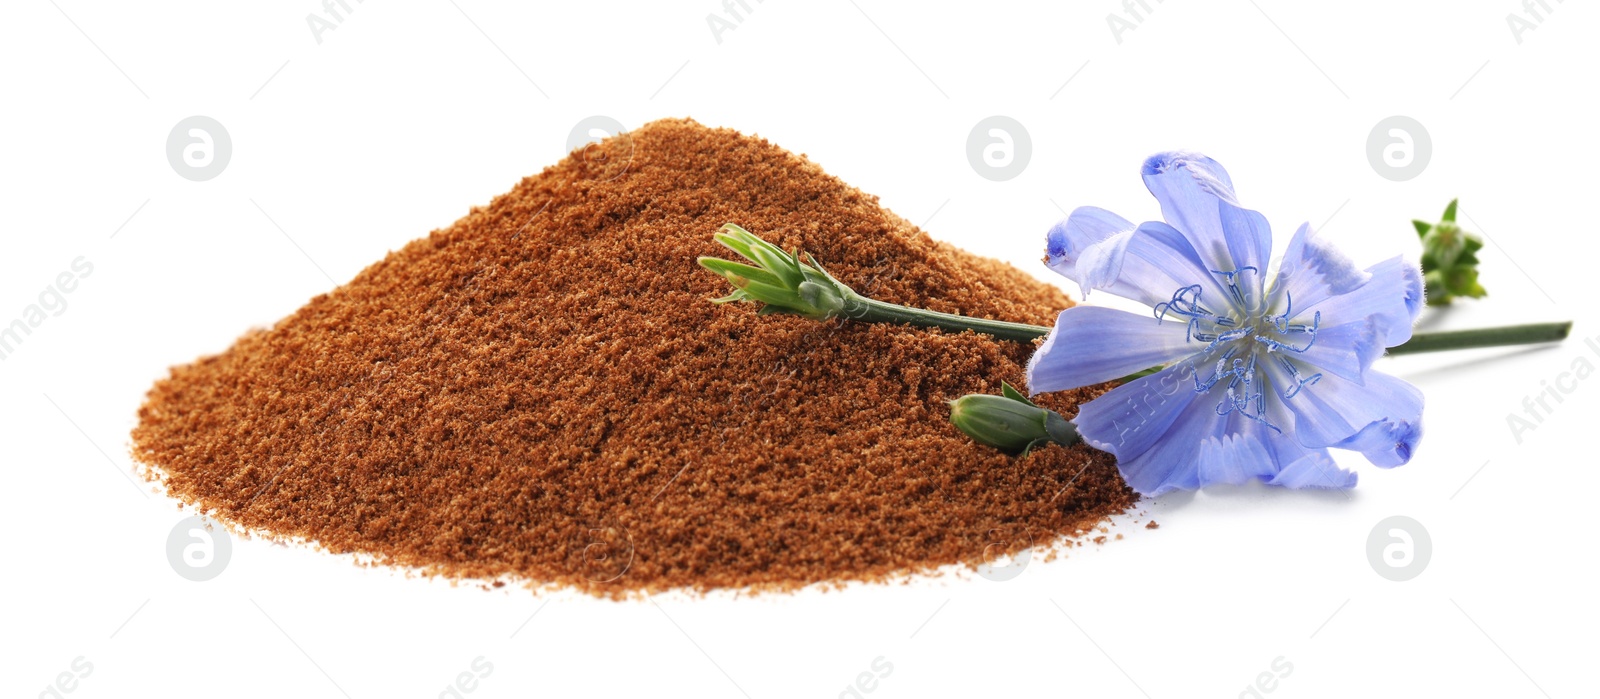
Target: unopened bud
<point>1009,422</point>
<point>1449,259</point>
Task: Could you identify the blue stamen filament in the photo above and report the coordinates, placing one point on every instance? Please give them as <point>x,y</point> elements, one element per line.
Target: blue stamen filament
<point>1247,329</point>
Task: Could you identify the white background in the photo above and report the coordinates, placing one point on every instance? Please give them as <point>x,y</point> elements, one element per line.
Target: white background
<point>411,112</point>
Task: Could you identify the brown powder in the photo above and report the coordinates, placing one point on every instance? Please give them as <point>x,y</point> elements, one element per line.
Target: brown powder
<point>543,394</point>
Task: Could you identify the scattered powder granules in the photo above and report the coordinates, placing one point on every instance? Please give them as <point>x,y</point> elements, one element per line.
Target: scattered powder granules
<point>543,394</point>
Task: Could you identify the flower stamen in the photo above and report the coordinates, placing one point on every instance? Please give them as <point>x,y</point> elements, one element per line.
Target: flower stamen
<point>1245,381</point>
<point>1300,382</point>
<point>1232,280</point>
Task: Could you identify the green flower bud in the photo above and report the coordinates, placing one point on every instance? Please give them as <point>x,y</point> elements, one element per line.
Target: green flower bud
<point>783,284</point>
<point>777,278</point>
<point>1449,259</point>
<point>1009,422</point>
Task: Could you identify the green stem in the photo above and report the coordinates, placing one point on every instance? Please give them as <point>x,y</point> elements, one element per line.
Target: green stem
<point>1484,337</point>
<point>1529,334</point>
<point>858,307</point>
<point>861,308</point>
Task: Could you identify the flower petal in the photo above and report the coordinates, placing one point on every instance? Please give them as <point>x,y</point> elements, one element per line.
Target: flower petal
<point>1088,247</point>
<point>1085,226</point>
<point>1313,277</point>
<point>1191,188</point>
<point>1381,417</point>
<point>1388,298</point>
<point>1160,261</point>
<point>1313,470</point>
<point>1100,266</point>
<point>1147,263</point>
<point>1234,458</point>
<point>1396,288</point>
<point>1129,418</point>
<point>1250,231</point>
<point>1170,460</point>
<point>1386,443</point>
<point>1312,270</point>
<point>1152,425</point>
<point>1166,436</point>
<point>1389,292</point>
<point>1347,350</point>
<point>1251,449</point>
<point>1093,344</point>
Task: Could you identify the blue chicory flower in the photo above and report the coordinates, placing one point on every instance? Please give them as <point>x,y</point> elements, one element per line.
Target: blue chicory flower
<point>1265,370</point>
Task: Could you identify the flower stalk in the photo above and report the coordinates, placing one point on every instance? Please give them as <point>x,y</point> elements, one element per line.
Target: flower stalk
<point>785,284</point>
<point>874,311</point>
<point>1531,333</point>
<point>1010,422</point>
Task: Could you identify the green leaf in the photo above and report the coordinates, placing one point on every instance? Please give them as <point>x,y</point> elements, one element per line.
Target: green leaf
<point>1422,227</point>
<point>729,268</point>
<point>770,293</point>
<point>1464,282</point>
<point>1450,211</point>
<point>1012,393</point>
<point>1033,445</point>
<point>734,230</point>
<point>818,265</point>
<point>735,242</point>
<point>758,242</point>
<point>778,262</point>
